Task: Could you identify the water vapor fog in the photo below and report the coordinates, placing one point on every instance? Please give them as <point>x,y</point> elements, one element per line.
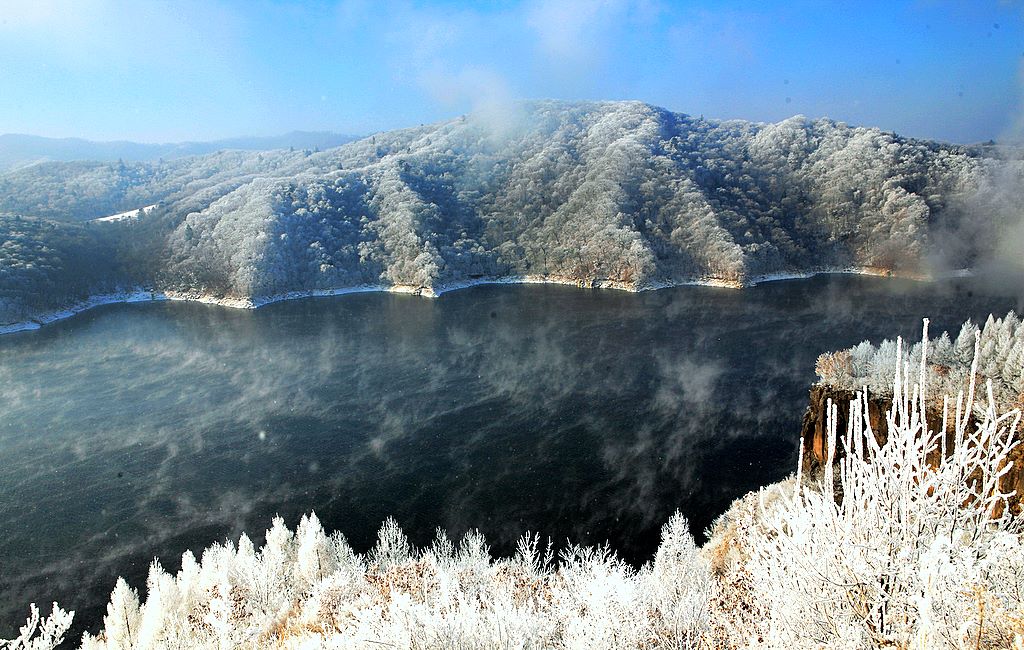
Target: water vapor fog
<point>988,215</point>
<point>140,431</point>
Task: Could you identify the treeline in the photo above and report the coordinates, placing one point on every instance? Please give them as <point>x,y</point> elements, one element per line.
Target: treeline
<point>1000,359</point>
<point>618,192</point>
<point>46,264</point>
<point>79,191</point>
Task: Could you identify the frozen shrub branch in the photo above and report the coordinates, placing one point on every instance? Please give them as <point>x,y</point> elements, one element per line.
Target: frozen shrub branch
<point>41,635</point>
<point>911,550</point>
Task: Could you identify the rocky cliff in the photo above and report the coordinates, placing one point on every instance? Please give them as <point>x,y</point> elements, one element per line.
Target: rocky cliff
<point>814,434</point>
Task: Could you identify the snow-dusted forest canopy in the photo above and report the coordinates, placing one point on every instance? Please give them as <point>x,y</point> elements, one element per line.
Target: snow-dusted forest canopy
<point>1000,360</point>
<point>45,263</point>
<point>619,193</point>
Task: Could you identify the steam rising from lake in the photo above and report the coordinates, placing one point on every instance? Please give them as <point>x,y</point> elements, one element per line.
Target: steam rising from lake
<point>135,431</point>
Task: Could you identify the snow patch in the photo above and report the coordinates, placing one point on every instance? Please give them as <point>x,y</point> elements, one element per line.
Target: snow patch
<point>122,216</point>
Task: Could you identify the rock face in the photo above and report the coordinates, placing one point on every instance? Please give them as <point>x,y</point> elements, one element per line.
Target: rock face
<point>814,434</point>
<point>814,428</point>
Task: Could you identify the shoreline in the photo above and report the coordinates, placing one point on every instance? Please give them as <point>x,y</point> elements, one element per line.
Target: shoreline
<point>142,295</point>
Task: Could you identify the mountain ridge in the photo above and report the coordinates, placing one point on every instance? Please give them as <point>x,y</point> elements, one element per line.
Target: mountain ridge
<point>592,193</point>
<point>20,149</point>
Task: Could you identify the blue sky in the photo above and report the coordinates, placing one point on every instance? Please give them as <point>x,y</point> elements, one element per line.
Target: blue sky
<point>153,71</point>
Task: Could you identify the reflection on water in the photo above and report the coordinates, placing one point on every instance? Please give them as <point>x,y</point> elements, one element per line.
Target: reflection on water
<point>136,431</point>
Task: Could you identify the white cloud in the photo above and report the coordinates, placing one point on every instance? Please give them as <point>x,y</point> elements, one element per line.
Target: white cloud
<point>480,86</point>
<point>107,34</point>
<point>574,31</point>
<point>440,52</point>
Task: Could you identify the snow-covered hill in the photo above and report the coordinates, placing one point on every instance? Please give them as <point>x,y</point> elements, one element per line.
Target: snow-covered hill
<point>600,194</point>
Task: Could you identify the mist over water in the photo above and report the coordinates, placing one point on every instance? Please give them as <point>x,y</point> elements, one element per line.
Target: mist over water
<point>139,431</point>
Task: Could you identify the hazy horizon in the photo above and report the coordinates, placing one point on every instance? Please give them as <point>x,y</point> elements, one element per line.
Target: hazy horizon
<point>156,72</point>
<point>1007,137</point>
<point>236,136</point>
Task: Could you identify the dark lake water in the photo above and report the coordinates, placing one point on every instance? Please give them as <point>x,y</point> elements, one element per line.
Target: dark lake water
<point>139,431</point>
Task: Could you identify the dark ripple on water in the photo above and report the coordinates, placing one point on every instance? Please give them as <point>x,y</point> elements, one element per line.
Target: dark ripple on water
<point>139,431</point>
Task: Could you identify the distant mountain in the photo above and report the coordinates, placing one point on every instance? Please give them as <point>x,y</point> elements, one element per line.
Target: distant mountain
<point>600,194</point>
<point>18,150</point>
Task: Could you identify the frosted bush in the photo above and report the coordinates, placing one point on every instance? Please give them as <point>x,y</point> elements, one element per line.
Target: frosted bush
<point>911,553</point>
<point>309,589</point>
<point>1000,358</point>
<point>41,635</point>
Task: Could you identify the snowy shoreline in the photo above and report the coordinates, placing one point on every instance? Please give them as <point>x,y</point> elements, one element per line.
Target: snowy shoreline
<point>141,295</point>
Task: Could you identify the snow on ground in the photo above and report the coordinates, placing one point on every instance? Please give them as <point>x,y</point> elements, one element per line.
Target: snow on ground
<point>130,214</point>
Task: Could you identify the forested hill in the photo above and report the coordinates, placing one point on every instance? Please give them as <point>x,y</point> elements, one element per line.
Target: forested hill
<point>600,193</point>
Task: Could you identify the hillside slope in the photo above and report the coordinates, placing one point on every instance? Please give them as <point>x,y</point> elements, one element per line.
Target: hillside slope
<point>600,194</point>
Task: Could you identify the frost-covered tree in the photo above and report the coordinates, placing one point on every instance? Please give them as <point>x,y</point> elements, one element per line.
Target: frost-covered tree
<point>44,634</point>
<point>313,556</point>
<point>121,624</point>
<point>999,358</point>
<point>908,552</point>
<point>447,595</point>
